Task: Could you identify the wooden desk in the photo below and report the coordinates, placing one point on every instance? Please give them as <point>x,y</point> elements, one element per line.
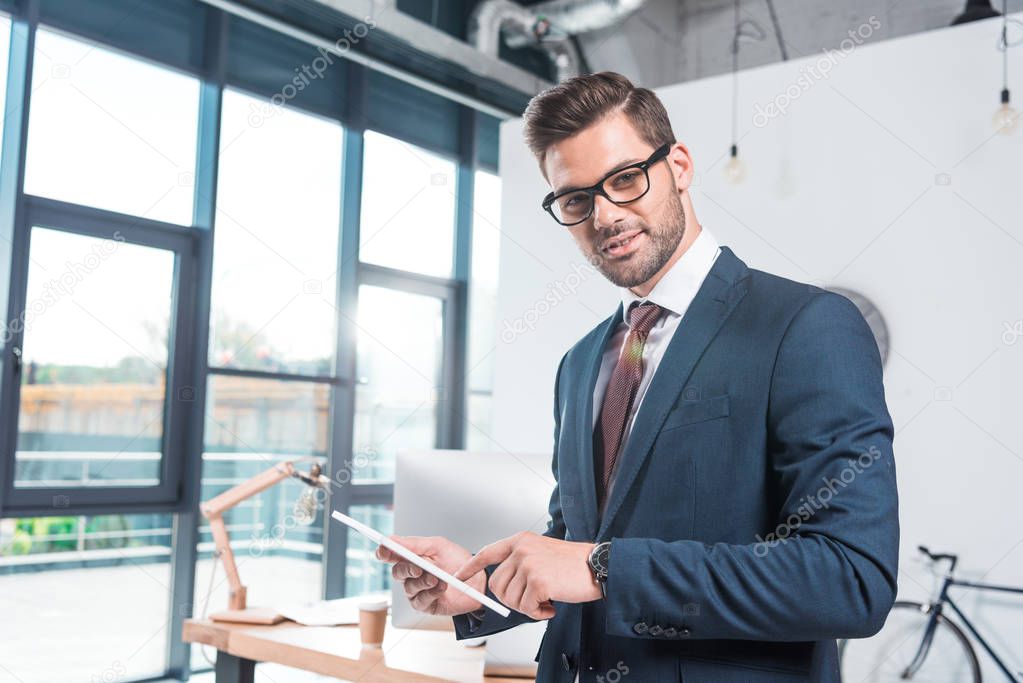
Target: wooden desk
<point>407,656</point>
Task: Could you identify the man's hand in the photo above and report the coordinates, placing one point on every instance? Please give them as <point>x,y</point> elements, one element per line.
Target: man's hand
<point>425,592</point>
<point>534,570</point>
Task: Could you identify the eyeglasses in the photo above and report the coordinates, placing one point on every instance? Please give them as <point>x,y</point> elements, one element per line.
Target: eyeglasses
<point>621,186</point>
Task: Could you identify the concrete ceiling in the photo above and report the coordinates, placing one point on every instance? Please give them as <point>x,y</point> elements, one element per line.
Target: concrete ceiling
<point>671,41</point>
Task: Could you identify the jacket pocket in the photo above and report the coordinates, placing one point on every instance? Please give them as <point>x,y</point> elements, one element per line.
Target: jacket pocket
<point>690,412</point>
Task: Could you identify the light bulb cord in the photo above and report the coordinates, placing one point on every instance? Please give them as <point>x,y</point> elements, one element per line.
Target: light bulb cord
<point>735,83</point>
<point>1005,51</point>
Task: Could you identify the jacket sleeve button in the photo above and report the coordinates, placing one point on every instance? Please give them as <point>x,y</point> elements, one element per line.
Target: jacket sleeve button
<point>655,630</point>
<point>640,627</point>
<point>684,632</point>
<point>670,632</point>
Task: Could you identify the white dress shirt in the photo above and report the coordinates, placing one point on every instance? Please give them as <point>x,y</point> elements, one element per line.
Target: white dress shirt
<point>673,292</point>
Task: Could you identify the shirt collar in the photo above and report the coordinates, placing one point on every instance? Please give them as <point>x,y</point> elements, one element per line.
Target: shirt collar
<point>677,288</point>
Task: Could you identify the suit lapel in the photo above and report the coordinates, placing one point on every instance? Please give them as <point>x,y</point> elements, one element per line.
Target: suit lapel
<point>720,292</point>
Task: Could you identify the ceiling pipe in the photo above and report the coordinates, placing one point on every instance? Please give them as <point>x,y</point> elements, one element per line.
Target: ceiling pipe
<point>418,35</point>
<point>548,26</point>
<point>491,18</point>
<point>572,17</point>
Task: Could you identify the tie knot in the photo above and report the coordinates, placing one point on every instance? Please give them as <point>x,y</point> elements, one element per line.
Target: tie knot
<point>643,316</point>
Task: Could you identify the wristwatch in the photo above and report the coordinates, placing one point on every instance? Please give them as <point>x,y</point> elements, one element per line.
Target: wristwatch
<point>599,560</point>
<point>480,613</point>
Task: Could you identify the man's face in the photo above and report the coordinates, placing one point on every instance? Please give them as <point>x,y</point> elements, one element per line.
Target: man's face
<point>627,243</point>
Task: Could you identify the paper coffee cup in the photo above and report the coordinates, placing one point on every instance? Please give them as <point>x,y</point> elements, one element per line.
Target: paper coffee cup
<point>372,622</point>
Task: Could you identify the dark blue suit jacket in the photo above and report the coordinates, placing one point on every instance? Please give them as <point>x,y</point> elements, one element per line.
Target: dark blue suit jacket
<point>754,516</point>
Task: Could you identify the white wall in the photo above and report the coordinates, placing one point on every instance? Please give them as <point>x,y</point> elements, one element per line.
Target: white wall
<point>844,190</point>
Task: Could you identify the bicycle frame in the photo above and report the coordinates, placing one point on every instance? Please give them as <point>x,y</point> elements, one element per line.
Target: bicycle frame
<point>936,609</point>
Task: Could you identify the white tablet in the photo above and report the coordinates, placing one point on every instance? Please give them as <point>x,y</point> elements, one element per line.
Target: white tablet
<point>424,564</point>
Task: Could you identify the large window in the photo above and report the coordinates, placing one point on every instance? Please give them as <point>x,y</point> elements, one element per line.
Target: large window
<point>408,207</point>
<point>207,277</point>
<point>276,253</point>
<point>483,324</point>
<point>398,377</point>
<point>87,597</point>
<point>110,131</point>
<point>92,410</point>
<point>273,317</point>
<point>406,377</point>
<point>251,425</point>
<point>363,572</point>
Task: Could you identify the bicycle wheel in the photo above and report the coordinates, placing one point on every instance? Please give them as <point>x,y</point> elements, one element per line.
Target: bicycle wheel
<point>886,655</point>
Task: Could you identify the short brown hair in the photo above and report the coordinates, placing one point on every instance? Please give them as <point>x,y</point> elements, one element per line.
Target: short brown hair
<point>567,108</point>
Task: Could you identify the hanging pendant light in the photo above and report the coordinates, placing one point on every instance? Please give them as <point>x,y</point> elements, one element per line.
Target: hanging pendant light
<point>1006,118</point>
<point>735,169</point>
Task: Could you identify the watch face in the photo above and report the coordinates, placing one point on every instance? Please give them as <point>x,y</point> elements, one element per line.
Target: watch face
<point>599,559</point>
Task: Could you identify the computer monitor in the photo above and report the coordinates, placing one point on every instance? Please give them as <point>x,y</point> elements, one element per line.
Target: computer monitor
<point>472,498</point>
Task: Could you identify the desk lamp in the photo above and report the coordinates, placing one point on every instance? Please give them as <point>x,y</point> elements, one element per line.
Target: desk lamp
<point>215,508</point>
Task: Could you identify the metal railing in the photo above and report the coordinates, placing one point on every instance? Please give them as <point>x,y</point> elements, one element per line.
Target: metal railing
<point>41,543</point>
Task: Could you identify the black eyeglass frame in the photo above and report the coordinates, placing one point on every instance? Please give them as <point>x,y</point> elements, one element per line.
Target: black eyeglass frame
<point>598,187</point>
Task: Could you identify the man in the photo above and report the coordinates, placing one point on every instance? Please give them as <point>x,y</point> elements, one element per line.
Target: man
<point>725,506</point>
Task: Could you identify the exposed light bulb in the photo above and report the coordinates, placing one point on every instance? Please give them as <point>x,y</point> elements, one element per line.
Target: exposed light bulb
<point>735,169</point>
<point>1006,119</point>
<point>306,507</point>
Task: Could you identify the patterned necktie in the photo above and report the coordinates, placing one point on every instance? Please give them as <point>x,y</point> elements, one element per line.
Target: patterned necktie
<point>621,392</point>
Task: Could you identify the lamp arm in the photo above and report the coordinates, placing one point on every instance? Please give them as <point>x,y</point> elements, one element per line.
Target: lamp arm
<point>257,484</point>
<point>214,510</point>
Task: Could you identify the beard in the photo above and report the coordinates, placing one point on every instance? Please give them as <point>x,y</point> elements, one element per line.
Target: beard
<point>644,263</point>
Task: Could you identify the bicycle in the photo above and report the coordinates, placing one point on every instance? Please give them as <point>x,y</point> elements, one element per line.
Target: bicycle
<point>919,641</point>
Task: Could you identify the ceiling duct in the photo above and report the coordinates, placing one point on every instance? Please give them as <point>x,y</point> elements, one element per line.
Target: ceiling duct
<point>406,49</point>
<point>548,26</point>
